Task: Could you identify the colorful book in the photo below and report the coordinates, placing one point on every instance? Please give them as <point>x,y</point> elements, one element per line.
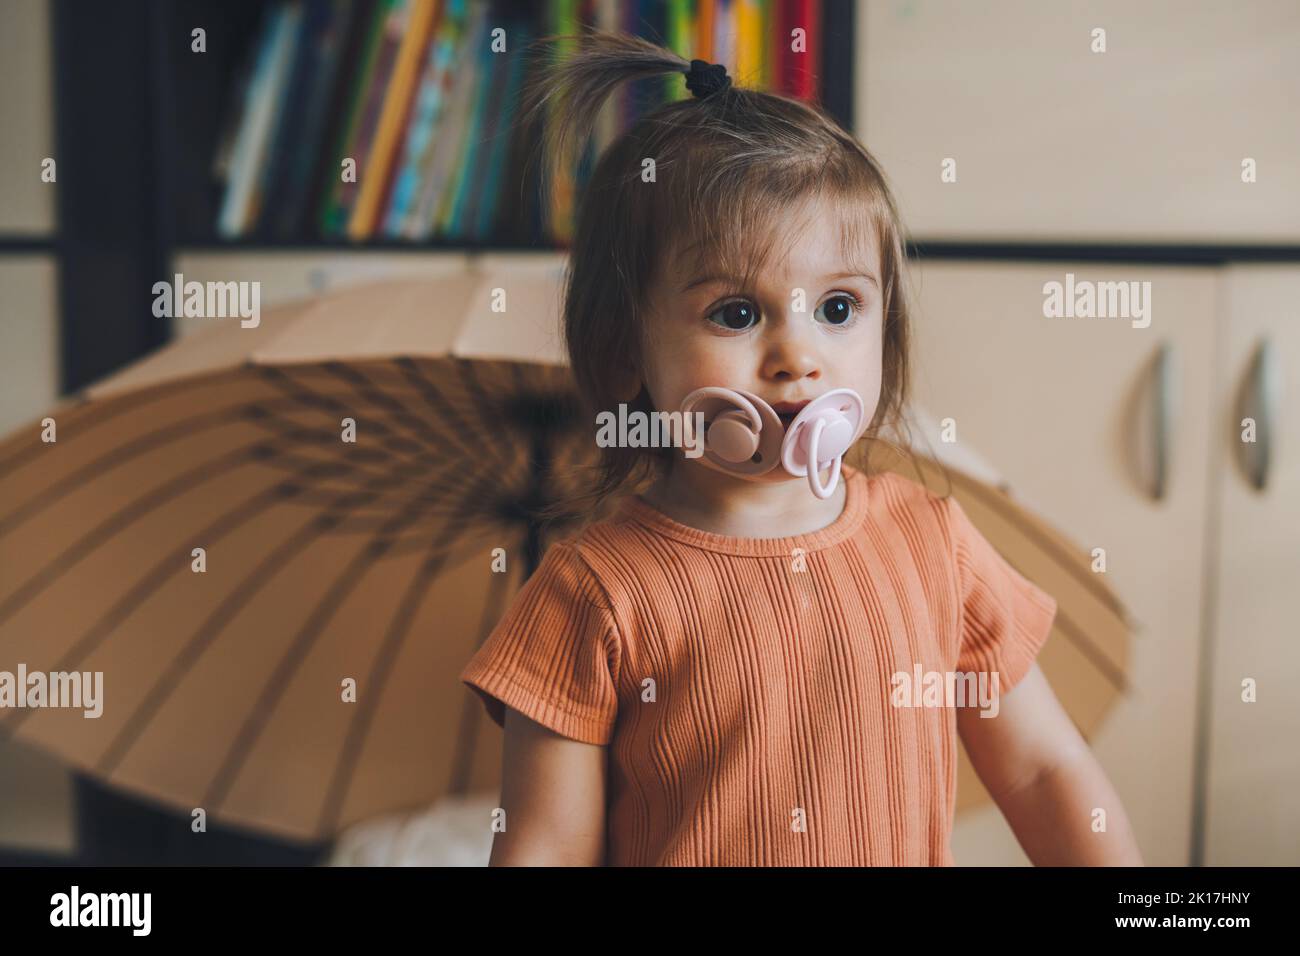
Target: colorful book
<point>498,108</point>
<point>338,198</point>
<point>804,67</point>
<point>412,91</point>
<point>681,40</point>
<point>291,197</point>
<point>431,98</point>
<point>724,35</point>
<point>416,25</point>
<point>287,137</point>
<point>451,132</point>
<point>260,106</point>
<point>470,145</point>
<point>610,121</point>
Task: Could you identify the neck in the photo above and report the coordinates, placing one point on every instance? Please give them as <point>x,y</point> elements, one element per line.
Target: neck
<point>709,500</point>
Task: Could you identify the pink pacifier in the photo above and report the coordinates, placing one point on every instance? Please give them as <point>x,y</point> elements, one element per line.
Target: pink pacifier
<point>744,436</point>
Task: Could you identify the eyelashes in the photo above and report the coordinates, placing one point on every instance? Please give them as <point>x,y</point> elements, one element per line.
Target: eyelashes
<point>743,310</point>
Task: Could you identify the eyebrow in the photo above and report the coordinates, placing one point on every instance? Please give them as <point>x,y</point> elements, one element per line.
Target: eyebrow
<point>711,277</point>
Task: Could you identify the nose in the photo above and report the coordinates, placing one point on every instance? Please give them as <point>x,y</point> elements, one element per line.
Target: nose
<point>790,355</point>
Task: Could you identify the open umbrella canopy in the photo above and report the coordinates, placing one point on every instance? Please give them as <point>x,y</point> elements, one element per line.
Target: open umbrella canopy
<point>279,545</point>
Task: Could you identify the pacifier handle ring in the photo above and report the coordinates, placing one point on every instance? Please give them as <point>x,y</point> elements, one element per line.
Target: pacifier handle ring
<point>814,478</point>
<point>718,391</point>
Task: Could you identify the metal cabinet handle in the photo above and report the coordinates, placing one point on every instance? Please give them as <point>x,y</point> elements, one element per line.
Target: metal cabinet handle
<point>1258,399</point>
<point>1163,394</point>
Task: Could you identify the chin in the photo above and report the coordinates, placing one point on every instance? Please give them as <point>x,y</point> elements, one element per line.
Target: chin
<point>775,476</point>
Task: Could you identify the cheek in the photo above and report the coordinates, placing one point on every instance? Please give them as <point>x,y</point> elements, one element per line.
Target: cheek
<point>679,367</point>
<point>860,368</point>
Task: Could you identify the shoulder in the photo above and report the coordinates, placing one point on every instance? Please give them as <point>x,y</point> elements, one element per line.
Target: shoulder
<point>565,568</point>
<point>893,490</point>
<point>928,519</point>
<point>597,541</point>
<point>599,554</point>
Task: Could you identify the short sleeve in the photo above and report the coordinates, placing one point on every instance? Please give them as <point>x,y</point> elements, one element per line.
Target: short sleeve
<point>554,655</point>
<point>1005,618</point>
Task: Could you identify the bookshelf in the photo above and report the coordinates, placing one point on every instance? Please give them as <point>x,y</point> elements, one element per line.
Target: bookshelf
<point>154,197</point>
<point>204,93</point>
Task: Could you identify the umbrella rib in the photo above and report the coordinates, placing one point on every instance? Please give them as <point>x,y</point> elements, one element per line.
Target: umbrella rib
<point>1089,650</point>
<point>231,605</point>
<point>359,727</point>
<point>1084,644</point>
<point>275,685</point>
<point>349,525</point>
<point>342,586</point>
<point>156,577</point>
<point>480,402</point>
<point>208,631</point>
<point>283,380</point>
<point>440,405</point>
<point>429,496</point>
<point>287,430</point>
<point>212,627</point>
<point>97,414</point>
<point>363,385</point>
<point>463,757</point>
<point>147,442</point>
<point>999,502</point>
<point>466,506</point>
<point>141,506</point>
<point>123,454</point>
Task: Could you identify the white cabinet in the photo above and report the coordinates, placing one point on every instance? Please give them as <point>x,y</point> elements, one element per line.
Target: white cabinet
<point>1052,141</point>
<point>1252,771</point>
<point>1209,570</point>
<point>1053,403</point>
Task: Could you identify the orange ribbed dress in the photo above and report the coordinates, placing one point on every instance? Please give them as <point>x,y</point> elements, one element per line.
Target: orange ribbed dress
<point>744,685</point>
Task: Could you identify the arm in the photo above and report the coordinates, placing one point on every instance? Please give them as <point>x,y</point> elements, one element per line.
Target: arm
<point>553,793</point>
<point>1045,780</point>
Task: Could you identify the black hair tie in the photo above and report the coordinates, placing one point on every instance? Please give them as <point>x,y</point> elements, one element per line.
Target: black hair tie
<point>704,78</point>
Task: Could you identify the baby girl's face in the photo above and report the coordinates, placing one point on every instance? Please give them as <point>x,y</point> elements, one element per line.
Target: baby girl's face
<point>709,330</point>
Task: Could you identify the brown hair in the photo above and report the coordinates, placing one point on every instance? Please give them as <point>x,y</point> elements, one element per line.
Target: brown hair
<point>726,168</point>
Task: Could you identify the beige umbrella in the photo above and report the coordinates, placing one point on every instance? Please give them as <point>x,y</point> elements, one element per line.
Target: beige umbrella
<point>328,564</point>
<point>322,562</point>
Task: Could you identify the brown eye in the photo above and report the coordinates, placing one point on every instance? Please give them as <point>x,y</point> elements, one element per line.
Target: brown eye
<point>736,316</point>
<point>840,309</point>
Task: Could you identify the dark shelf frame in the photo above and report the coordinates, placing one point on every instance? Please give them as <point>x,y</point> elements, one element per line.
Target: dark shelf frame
<point>1135,253</point>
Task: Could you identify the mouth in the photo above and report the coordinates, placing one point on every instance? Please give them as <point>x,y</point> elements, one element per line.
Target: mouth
<point>788,411</point>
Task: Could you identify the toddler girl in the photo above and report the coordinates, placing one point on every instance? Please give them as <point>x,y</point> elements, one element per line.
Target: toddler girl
<point>721,672</point>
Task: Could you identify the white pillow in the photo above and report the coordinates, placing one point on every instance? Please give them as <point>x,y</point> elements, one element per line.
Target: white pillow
<point>455,831</point>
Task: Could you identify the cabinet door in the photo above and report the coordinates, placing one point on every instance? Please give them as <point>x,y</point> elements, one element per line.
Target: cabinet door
<point>1051,403</point>
<point>1054,141</point>
<point>1252,806</point>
